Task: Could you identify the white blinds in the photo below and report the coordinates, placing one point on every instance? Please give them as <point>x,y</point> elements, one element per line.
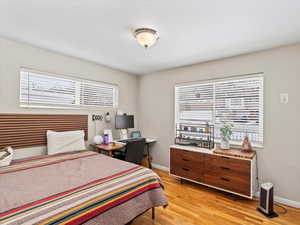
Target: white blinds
<point>235,101</point>
<point>95,94</point>
<point>195,103</point>
<point>37,89</point>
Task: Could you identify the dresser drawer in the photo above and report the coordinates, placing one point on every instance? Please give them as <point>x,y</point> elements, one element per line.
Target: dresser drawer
<point>179,162</point>
<point>187,159</point>
<point>226,164</point>
<point>187,156</point>
<point>228,172</point>
<point>228,181</point>
<point>187,164</point>
<point>189,173</point>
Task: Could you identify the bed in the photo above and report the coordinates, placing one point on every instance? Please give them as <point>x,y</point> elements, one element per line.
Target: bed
<point>80,187</point>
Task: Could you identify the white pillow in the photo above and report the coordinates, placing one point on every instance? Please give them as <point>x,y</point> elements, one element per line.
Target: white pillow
<point>6,156</point>
<point>67,141</point>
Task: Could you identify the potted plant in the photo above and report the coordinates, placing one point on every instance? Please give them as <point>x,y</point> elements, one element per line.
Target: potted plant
<point>226,132</point>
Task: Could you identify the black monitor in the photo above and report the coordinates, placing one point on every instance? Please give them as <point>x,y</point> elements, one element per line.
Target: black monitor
<point>124,121</point>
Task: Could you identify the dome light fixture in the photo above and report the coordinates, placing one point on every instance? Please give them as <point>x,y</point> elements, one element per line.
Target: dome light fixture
<point>146,37</point>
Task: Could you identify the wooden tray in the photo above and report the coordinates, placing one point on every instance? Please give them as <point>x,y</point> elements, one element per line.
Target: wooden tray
<point>236,153</point>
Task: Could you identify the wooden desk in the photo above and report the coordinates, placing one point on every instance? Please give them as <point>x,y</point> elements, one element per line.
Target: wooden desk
<point>148,142</point>
<point>112,147</point>
<point>108,148</point>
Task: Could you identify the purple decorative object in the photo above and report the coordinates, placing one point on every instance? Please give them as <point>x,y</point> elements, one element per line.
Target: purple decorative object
<point>106,139</point>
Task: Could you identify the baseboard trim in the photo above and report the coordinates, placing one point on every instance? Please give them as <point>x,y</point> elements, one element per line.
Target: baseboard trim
<point>164,168</point>
<point>287,202</point>
<point>281,200</point>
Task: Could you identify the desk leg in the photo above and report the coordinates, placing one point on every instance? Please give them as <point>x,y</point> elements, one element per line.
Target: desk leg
<point>148,155</point>
<point>110,153</point>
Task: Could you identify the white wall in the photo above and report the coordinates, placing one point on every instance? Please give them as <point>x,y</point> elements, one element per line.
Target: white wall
<point>14,55</point>
<point>279,159</point>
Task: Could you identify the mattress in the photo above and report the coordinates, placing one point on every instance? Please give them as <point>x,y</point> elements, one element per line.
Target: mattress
<point>81,187</point>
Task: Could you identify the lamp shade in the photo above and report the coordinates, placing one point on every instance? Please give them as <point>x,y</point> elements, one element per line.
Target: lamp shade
<point>146,37</point>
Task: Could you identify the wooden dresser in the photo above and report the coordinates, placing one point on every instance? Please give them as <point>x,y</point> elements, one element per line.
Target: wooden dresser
<point>228,171</point>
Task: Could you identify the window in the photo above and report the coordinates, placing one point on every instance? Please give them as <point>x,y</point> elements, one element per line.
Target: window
<point>237,101</point>
<point>38,90</point>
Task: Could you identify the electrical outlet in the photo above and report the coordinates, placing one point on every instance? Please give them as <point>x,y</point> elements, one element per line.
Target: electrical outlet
<point>284,98</point>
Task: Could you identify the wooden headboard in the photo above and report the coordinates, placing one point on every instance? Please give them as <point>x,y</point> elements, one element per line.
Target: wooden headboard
<point>27,130</point>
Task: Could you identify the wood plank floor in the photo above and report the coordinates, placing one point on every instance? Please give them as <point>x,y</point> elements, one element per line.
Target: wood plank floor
<point>193,204</point>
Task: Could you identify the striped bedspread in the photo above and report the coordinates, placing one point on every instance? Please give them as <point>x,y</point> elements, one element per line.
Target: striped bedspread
<point>95,184</point>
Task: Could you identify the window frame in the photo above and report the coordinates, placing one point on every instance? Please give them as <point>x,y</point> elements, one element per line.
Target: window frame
<point>259,75</point>
<point>68,106</point>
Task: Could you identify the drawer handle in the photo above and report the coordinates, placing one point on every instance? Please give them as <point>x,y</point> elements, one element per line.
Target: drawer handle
<point>185,169</point>
<point>225,168</point>
<point>186,160</point>
<point>224,157</point>
<point>225,179</point>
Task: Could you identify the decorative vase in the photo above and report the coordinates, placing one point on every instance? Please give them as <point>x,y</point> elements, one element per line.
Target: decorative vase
<point>225,144</point>
<point>246,146</point>
<point>105,139</point>
<point>98,140</point>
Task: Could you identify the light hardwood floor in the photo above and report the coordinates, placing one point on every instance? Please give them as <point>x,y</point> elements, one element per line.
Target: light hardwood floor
<point>193,204</point>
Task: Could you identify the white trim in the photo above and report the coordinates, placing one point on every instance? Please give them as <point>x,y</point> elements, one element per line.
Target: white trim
<point>287,202</point>
<point>164,168</point>
<point>220,79</point>
<point>283,201</point>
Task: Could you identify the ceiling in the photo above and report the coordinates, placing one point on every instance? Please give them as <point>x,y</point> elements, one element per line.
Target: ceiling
<point>191,31</point>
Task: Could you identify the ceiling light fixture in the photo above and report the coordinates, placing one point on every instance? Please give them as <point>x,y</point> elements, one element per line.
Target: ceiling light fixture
<point>146,37</point>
